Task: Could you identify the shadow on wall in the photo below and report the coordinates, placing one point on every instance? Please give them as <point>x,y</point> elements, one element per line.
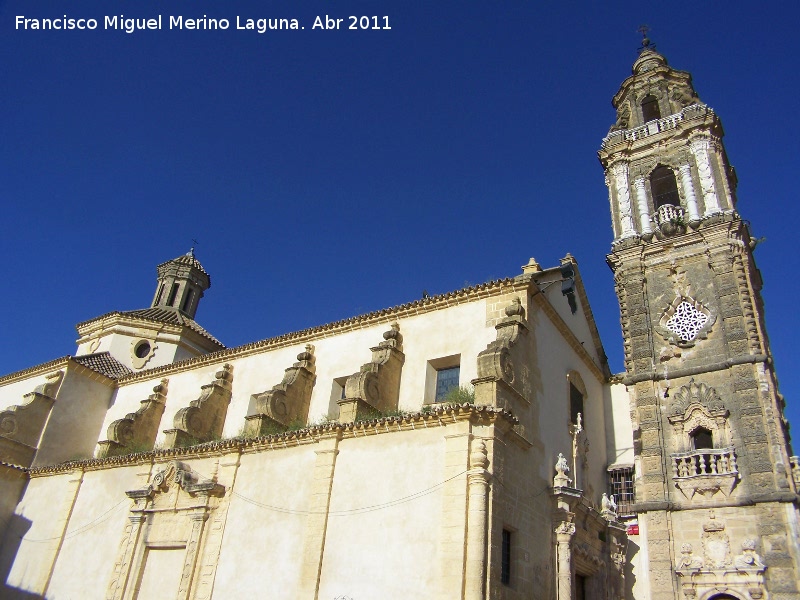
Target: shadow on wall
<point>16,528</point>
<point>630,578</point>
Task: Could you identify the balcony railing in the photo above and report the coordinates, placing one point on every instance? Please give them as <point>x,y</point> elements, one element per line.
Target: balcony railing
<point>657,126</point>
<point>705,472</point>
<point>668,213</point>
<point>704,462</point>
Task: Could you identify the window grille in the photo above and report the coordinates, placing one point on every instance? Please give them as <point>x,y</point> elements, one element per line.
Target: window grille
<point>620,484</point>
<point>446,379</point>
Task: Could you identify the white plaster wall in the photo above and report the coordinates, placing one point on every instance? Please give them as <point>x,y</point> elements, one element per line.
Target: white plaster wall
<point>31,542</point>
<point>577,322</point>
<point>12,393</point>
<point>555,360</point>
<point>91,544</point>
<point>391,551</point>
<point>263,538</point>
<point>620,446</point>
<point>74,424</point>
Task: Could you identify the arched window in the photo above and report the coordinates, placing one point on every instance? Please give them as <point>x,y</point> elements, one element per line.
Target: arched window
<point>577,395</point>
<point>664,187</point>
<point>702,438</point>
<point>650,110</point>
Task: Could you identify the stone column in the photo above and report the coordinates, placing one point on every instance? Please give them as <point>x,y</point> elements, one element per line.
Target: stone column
<point>699,148</point>
<point>688,191</point>
<point>192,548</point>
<point>317,519</point>
<point>644,210</point>
<point>478,483</point>
<point>564,533</point>
<point>620,171</point>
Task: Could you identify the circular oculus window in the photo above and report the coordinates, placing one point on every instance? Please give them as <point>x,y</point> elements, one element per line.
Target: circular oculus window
<point>142,349</point>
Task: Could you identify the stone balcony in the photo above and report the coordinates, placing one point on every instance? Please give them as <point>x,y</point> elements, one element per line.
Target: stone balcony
<point>705,472</point>
<point>656,126</point>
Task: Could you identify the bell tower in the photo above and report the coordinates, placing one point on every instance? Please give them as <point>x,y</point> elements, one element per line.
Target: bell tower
<point>716,488</point>
<point>181,283</point>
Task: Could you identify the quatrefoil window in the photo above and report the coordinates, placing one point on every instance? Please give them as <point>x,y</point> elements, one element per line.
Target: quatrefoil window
<point>687,321</point>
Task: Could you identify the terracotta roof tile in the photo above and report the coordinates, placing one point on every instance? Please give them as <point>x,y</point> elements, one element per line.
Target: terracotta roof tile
<point>103,363</point>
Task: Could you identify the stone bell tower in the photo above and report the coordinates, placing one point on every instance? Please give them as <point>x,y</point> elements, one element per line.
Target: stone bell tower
<point>716,488</point>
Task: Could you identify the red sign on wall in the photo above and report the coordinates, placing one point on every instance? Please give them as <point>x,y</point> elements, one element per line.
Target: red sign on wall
<point>633,530</point>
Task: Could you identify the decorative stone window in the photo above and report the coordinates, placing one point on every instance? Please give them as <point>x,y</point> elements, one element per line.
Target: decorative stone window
<point>685,321</point>
<point>142,350</point>
<point>705,462</point>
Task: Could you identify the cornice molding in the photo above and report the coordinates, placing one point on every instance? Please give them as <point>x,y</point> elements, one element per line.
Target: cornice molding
<point>439,416</point>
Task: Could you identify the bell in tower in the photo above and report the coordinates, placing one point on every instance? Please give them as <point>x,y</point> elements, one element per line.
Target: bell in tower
<point>715,490</point>
<point>181,283</point>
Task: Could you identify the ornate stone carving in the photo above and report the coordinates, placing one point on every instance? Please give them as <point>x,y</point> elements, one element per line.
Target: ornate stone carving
<point>565,528</point>
<point>204,418</point>
<point>287,402</point>
<point>685,321</point>
<point>178,474</point>
<point>688,560</point>
<point>137,431</point>
<point>620,173</point>
<point>748,559</point>
<point>699,147</point>
<point>376,387</point>
<point>562,468</point>
<point>716,545</point>
<point>695,393</point>
<point>21,425</point>
<point>503,368</point>
<point>608,507</point>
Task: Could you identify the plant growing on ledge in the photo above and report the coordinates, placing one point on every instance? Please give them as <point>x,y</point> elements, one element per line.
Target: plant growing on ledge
<point>463,394</point>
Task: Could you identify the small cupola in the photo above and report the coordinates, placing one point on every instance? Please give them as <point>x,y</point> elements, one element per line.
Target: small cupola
<point>181,283</point>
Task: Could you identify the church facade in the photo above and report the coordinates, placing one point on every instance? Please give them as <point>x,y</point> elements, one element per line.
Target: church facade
<point>468,445</point>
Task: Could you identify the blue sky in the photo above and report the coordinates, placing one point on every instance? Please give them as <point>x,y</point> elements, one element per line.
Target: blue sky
<point>330,173</point>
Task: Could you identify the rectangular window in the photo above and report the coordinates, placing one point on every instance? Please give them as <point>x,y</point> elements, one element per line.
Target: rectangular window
<point>446,379</point>
<point>505,566</point>
<point>620,484</point>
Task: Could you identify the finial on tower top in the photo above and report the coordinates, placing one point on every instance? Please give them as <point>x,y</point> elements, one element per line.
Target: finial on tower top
<point>191,250</point>
<point>646,43</point>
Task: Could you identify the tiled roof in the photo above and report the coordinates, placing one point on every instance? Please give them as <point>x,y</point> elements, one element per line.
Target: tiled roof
<point>103,363</point>
<point>173,316</point>
<point>189,260</point>
<point>160,314</point>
